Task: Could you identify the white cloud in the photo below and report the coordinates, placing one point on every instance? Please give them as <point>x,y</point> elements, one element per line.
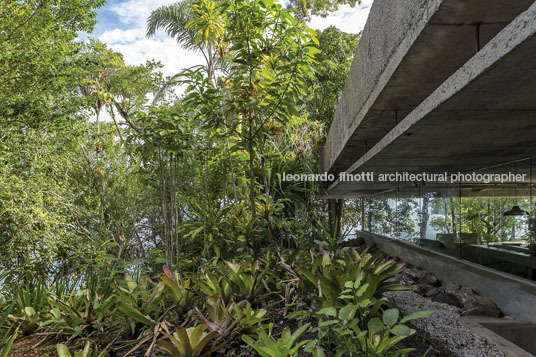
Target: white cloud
<point>122,36</point>
<point>138,49</point>
<point>346,19</point>
<point>136,12</point>
<point>128,36</point>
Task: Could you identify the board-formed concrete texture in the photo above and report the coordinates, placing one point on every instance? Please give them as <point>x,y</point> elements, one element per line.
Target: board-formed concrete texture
<point>424,94</point>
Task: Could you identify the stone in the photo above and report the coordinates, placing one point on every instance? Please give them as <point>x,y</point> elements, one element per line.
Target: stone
<point>415,274</point>
<point>451,288</point>
<point>402,279</point>
<point>432,292</point>
<point>472,303</point>
<point>422,289</point>
<point>429,279</point>
<point>479,306</point>
<point>447,298</point>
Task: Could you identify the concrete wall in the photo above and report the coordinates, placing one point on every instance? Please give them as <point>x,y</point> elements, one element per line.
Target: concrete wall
<point>515,296</point>
<point>396,19</point>
<point>408,50</point>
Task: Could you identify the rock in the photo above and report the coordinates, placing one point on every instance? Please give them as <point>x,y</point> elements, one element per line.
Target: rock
<point>415,274</point>
<point>432,292</point>
<point>472,303</point>
<point>479,306</point>
<point>422,289</point>
<point>429,279</point>
<point>356,242</point>
<point>402,279</point>
<point>447,298</point>
<point>451,288</point>
<point>360,241</point>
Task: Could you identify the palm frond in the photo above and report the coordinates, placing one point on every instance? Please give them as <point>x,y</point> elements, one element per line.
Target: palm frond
<point>173,20</point>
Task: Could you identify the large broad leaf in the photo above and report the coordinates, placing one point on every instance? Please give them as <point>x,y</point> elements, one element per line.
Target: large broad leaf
<point>401,330</point>
<point>390,317</point>
<point>375,325</point>
<point>328,311</point>
<point>347,312</point>
<point>30,311</point>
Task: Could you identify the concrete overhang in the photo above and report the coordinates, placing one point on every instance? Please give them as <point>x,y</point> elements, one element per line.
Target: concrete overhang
<point>484,114</point>
<point>438,40</point>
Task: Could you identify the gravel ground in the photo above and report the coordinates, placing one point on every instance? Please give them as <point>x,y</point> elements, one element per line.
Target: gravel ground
<point>443,324</point>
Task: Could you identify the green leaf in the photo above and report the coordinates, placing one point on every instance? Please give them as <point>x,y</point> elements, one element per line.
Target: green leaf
<point>30,311</point>
<point>63,351</point>
<point>416,315</point>
<point>390,317</point>
<point>325,323</point>
<point>362,290</point>
<point>328,311</point>
<point>401,330</point>
<point>347,312</point>
<point>4,352</point>
<point>364,303</point>
<point>375,325</point>
<point>134,313</point>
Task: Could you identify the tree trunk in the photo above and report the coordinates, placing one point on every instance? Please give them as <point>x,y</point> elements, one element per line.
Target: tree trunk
<point>251,153</point>
<point>453,216</point>
<point>335,208</point>
<point>424,216</point>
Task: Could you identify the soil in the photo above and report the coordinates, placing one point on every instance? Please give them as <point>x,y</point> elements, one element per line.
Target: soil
<point>24,347</point>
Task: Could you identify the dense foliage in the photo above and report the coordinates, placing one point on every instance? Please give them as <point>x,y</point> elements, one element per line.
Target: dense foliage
<point>110,172</point>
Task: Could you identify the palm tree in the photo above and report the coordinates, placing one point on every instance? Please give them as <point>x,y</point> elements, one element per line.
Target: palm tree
<point>196,25</point>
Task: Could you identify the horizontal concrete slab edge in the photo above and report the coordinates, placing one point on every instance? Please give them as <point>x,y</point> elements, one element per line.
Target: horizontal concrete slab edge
<point>341,130</point>
<point>520,30</point>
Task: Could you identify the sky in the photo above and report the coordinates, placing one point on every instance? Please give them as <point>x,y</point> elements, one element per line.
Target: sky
<point>121,25</point>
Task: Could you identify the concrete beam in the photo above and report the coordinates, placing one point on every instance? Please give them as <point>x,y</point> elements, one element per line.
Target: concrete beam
<point>483,114</point>
<point>407,49</point>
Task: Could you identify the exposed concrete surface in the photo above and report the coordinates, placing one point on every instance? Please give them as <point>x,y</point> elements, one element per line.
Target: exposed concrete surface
<point>477,324</point>
<point>515,296</point>
<point>480,116</point>
<point>408,48</point>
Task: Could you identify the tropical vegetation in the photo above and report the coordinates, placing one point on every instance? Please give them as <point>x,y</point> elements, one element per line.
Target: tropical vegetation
<point>146,214</point>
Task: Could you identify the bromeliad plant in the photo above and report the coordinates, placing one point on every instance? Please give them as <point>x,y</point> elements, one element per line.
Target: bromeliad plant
<point>341,330</point>
<point>141,303</point>
<point>87,351</point>
<point>190,342</point>
<point>80,313</point>
<point>179,290</point>
<point>235,282</point>
<point>329,277</point>
<point>29,303</point>
<point>285,346</point>
<point>355,318</point>
<point>231,320</point>
<point>150,308</point>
